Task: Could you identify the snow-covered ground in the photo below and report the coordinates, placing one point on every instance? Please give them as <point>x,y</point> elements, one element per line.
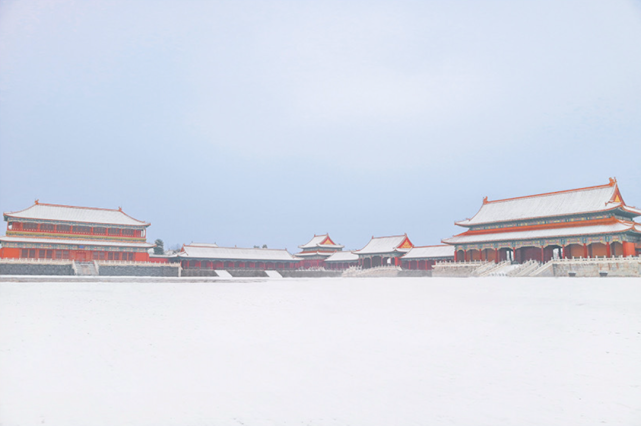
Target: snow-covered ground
<point>410,351</point>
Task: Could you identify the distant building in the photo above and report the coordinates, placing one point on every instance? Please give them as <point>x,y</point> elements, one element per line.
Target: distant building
<point>586,222</point>
<point>341,260</point>
<point>425,257</point>
<point>51,231</point>
<point>384,251</point>
<point>319,248</point>
<point>210,256</point>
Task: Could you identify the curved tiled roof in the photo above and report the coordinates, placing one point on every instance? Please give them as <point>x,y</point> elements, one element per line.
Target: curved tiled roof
<point>384,245</point>
<point>317,241</point>
<point>211,251</point>
<point>342,256</point>
<point>77,242</point>
<point>57,212</point>
<point>563,203</point>
<point>427,252</point>
<point>542,233</point>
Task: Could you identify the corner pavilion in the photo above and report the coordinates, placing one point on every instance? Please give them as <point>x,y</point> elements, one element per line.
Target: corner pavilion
<point>586,222</point>
<point>52,231</point>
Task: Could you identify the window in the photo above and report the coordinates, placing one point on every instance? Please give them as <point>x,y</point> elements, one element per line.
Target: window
<point>41,254</point>
<point>58,254</point>
<point>63,228</point>
<point>81,230</point>
<point>49,254</point>
<point>65,254</point>
<point>116,256</point>
<point>47,227</point>
<point>28,226</point>
<point>32,253</point>
<point>128,232</point>
<point>98,255</point>
<point>114,231</point>
<point>100,231</point>
<point>24,253</point>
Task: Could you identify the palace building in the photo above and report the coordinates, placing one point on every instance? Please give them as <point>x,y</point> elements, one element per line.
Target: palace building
<point>341,260</point>
<point>213,257</point>
<point>384,251</point>
<point>586,222</point>
<point>425,257</point>
<point>51,231</point>
<point>319,248</point>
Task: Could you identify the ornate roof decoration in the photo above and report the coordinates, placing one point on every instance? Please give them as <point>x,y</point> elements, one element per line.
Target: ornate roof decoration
<point>56,212</point>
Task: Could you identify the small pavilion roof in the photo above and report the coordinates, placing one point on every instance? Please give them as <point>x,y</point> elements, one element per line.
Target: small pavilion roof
<point>570,231</point>
<point>212,251</point>
<point>428,252</point>
<point>55,212</point>
<point>321,241</point>
<point>381,245</point>
<point>562,203</point>
<point>342,256</point>
<point>76,242</point>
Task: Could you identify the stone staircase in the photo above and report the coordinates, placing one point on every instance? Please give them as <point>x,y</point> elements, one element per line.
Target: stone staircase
<point>85,268</point>
<point>526,269</point>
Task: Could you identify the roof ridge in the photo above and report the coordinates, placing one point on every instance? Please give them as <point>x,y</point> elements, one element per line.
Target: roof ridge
<point>587,188</point>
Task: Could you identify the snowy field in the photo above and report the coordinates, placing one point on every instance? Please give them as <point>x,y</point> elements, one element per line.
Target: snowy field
<point>360,352</point>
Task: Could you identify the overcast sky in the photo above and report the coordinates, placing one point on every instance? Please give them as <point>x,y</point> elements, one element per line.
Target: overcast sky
<point>251,122</point>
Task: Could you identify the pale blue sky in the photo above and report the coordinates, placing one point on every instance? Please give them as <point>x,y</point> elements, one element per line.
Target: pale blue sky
<point>253,122</point>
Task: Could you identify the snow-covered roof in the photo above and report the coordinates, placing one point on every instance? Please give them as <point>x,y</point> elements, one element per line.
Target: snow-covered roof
<point>575,201</point>
<point>211,251</point>
<point>386,245</point>
<point>542,233</point>
<point>342,256</point>
<point>314,253</point>
<point>74,242</point>
<point>56,212</point>
<point>321,241</point>
<point>430,252</point>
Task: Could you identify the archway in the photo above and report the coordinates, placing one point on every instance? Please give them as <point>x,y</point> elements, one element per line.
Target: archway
<point>551,252</point>
<point>376,261</point>
<point>460,256</point>
<point>506,254</point>
<point>367,263</point>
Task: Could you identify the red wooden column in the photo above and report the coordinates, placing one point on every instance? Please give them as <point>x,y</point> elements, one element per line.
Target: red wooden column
<point>465,255</point>
<point>481,255</point>
<point>585,251</point>
<point>455,255</point>
<point>542,254</point>
<point>496,255</point>
<point>608,249</point>
<point>514,254</point>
